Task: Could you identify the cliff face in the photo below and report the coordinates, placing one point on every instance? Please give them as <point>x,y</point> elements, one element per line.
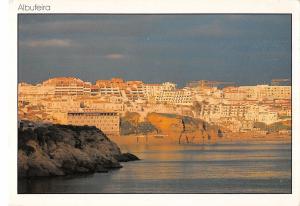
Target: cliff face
<point>193,130</point>
<point>47,150</point>
<point>165,122</point>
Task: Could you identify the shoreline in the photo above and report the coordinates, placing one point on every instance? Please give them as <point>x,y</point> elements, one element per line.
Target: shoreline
<point>171,139</point>
<point>58,150</point>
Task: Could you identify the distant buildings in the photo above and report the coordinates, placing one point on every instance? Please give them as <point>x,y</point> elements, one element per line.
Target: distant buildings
<point>176,97</point>
<point>259,92</point>
<point>68,86</point>
<point>245,114</point>
<point>69,100</point>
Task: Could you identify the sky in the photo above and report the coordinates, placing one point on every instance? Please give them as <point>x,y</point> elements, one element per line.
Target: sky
<point>246,49</point>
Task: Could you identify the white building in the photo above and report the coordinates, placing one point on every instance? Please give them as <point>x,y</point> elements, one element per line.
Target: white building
<point>68,86</point>
<point>176,97</point>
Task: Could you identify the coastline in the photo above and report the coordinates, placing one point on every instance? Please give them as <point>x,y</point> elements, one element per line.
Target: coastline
<point>251,167</point>
<point>59,150</point>
<point>173,138</point>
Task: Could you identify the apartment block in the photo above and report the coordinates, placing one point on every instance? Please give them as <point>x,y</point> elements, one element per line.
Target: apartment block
<point>108,122</point>
<point>177,97</point>
<point>68,86</point>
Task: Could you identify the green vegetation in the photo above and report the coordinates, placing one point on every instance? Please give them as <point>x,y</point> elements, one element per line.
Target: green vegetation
<point>128,127</point>
<point>285,117</point>
<point>145,127</point>
<point>260,125</point>
<point>278,126</point>
<point>168,115</point>
<point>190,120</point>
<point>275,127</point>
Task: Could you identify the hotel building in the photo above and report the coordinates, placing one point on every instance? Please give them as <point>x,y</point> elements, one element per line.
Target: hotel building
<point>258,92</point>
<point>177,97</point>
<point>69,86</point>
<point>108,122</point>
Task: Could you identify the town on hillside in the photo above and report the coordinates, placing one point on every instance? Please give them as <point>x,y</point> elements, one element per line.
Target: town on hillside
<point>69,100</point>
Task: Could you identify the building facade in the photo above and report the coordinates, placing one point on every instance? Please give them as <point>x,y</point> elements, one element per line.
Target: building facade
<point>108,122</point>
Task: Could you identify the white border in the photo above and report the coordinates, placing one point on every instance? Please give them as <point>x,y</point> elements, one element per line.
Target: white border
<point>153,6</point>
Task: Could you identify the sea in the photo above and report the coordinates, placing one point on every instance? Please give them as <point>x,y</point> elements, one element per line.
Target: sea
<point>224,168</point>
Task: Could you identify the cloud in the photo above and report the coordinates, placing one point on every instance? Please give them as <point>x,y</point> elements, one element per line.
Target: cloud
<point>48,43</point>
<point>100,25</point>
<point>114,56</point>
<point>206,46</point>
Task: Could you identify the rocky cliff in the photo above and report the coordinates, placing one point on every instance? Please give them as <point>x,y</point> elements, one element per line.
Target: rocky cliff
<point>180,128</point>
<point>50,150</point>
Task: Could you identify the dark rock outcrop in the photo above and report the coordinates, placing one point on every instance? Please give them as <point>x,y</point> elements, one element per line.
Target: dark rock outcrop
<point>126,157</point>
<point>52,150</point>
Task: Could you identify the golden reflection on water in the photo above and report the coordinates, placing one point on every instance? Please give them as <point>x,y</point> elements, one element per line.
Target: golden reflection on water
<point>209,161</point>
<point>221,168</point>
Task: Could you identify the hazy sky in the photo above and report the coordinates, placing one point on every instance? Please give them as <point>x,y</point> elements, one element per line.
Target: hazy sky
<point>246,49</point>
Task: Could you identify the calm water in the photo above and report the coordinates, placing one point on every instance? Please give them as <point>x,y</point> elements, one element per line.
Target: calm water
<point>222,168</point>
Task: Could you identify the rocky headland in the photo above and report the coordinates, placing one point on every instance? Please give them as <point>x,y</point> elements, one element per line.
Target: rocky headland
<point>55,150</point>
<point>162,128</point>
<point>171,127</point>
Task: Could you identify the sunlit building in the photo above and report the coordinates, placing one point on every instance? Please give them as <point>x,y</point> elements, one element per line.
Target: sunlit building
<point>108,122</point>
<point>69,86</point>
<point>177,97</point>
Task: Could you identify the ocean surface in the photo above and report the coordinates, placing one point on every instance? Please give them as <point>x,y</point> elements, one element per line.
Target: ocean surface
<point>257,167</point>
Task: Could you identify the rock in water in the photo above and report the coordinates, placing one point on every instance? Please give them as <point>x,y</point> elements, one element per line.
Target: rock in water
<point>51,150</point>
<point>125,157</point>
